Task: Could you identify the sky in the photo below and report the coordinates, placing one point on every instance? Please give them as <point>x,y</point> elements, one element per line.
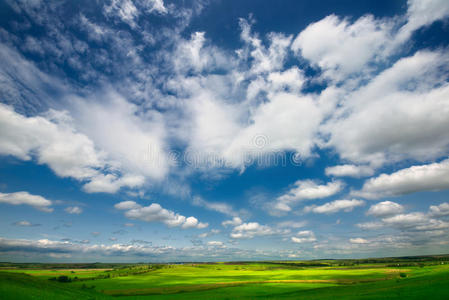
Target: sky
<point>162,131</point>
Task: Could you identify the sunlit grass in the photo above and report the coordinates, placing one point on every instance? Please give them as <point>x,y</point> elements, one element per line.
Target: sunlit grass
<point>231,281</point>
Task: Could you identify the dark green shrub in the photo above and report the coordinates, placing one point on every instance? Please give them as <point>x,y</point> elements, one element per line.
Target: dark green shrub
<point>64,278</point>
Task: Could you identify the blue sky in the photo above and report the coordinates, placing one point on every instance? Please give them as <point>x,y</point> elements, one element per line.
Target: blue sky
<point>153,130</point>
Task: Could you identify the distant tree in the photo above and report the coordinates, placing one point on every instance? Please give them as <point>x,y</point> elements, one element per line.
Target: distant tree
<point>64,278</point>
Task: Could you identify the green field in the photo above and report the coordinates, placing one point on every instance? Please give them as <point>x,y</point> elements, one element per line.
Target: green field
<point>399,278</point>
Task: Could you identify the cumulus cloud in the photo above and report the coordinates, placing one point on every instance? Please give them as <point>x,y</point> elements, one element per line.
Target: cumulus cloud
<point>45,248</point>
<point>418,222</point>
<point>236,107</point>
<point>73,210</point>
<point>422,13</point>
<point>19,198</point>
<point>358,241</point>
<point>263,59</point>
<point>349,171</point>
<point>220,207</point>
<point>234,222</point>
<point>305,236</point>
<point>53,140</point>
<point>406,220</point>
<point>250,230</point>
<point>225,133</point>
<point>334,206</point>
<point>306,190</point>
<point>370,225</point>
<point>209,233</point>
<point>126,205</point>
<point>137,147</point>
<point>292,224</point>
<point>111,183</point>
<point>195,55</point>
<point>439,210</point>
<point>430,177</point>
<point>215,243</point>
<point>155,213</point>
<point>384,209</point>
<point>340,48</point>
<point>129,11</point>
<point>25,223</point>
<point>410,98</point>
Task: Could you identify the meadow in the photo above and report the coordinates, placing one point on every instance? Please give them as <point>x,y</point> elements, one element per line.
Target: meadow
<point>387,278</point>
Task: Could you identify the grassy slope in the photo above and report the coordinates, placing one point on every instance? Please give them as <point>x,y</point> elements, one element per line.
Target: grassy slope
<point>22,286</point>
<point>430,283</point>
<point>233,282</point>
<point>176,276</point>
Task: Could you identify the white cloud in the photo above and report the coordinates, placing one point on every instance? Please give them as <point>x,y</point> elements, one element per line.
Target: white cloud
<point>156,5</point>
<point>25,223</point>
<point>215,243</point>
<point>190,222</point>
<point>370,225</point>
<point>226,134</point>
<point>384,209</point>
<point>291,79</point>
<point>291,224</point>
<point>307,190</point>
<point>430,177</point>
<point>250,230</point>
<point>400,114</point>
<point>126,205</point>
<point>53,142</point>
<point>220,207</point>
<point>340,48</point>
<point>263,59</point>
<point>137,147</point>
<point>358,241</point>
<point>19,198</point>
<point>334,206</point>
<point>439,210</point>
<point>155,213</point>
<point>268,133</point>
<point>234,222</point>
<point>410,222</point>
<point>73,210</point>
<point>209,233</point>
<point>69,249</point>
<point>110,183</point>
<point>123,9</point>
<point>305,236</point>
<point>422,13</point>
<point>196,55</point>
<point>349,171</point>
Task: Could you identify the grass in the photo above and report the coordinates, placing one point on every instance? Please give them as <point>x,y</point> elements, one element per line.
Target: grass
<point>269,280</point>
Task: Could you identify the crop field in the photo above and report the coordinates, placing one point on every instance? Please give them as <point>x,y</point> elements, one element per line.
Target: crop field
<point>401,278</point>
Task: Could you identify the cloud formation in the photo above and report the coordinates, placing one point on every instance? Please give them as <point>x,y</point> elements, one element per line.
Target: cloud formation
<point>305,236</point>
<point>384,209</point>
<point>73,210</point>
<point>151,105</point>
<point>430,177</point>
<point>20,198</point>
<point>334,206</point>
<point>155,213</point>
<point>306,190</point>
<point>349,171</point>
